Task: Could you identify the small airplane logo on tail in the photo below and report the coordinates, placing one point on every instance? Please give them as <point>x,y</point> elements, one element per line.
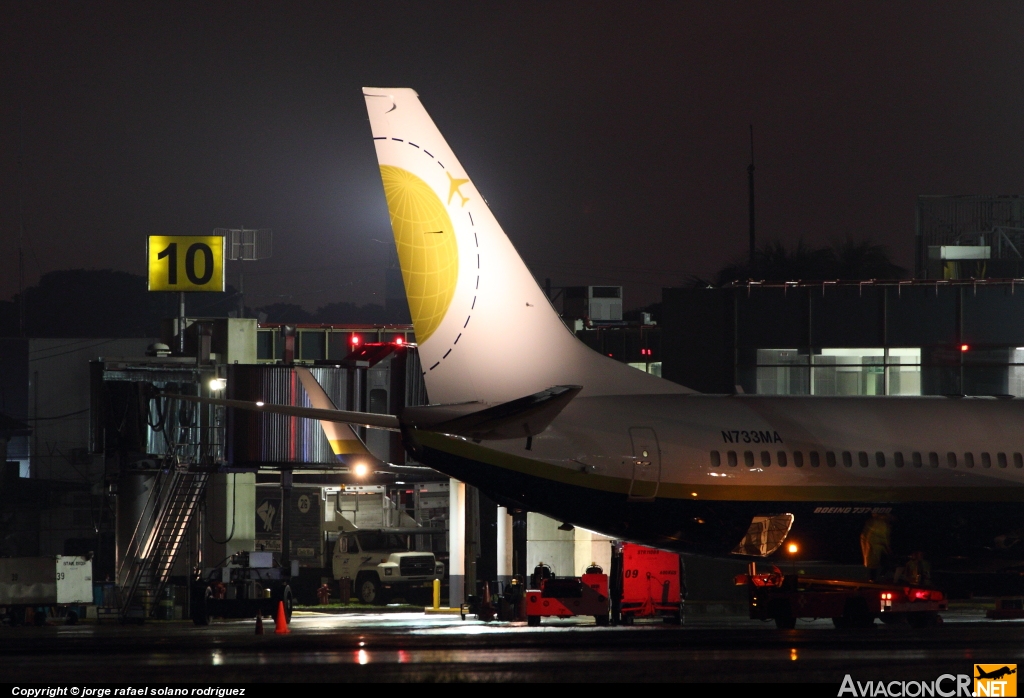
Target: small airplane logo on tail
<point>453,188</point>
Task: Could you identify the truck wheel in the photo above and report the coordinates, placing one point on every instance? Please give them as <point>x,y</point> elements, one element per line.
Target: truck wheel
<point>286,596</point>
<point>369,591</point>
<point>72,618</point>
<point>855,614</point>
<point>533,621</point>
<point>923,619</point>
<point>602,620</point>
<point>40,617</point>
<point>201,596</point>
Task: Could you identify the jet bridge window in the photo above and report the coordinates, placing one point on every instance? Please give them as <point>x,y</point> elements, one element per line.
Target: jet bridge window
<point>830,458</point>
<point>748,458</point>
<point>766,459</point>
<point>798,459</point>
<point>732,458</point>
<point>951,459</point>
<point>1001,458</point>
<point>916,459</point>
<point>816,459</point>
<point>847,459</point>
<point>716,459</point>
<point>986,460</point>
<point>969,460</point>
<point>879,459</point>
<point>898,459</point>
<point>1018,460</point>
<point>782,459</point>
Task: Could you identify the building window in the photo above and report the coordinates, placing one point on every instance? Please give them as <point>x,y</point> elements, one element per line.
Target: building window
<point>732,458</point>
<point>716,459</point>
<point>839,371</point>
<point>782,459</point>
<point>798,459</point>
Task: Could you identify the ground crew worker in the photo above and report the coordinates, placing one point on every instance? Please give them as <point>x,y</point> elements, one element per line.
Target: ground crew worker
<point>874,544</point>
<point>918,570</point>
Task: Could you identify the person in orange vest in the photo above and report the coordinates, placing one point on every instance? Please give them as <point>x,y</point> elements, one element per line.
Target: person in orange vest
<point>874,543</point>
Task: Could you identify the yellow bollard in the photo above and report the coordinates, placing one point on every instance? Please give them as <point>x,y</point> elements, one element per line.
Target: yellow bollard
<point>437,594</point>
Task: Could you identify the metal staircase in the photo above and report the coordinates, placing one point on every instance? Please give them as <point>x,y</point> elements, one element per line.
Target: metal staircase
<point>158,538</point>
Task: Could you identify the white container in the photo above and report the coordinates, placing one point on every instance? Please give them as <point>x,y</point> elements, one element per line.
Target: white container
<point>45,581</point>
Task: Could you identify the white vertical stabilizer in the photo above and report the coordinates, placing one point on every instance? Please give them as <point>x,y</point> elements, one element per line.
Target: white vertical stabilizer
<point>486,331</point>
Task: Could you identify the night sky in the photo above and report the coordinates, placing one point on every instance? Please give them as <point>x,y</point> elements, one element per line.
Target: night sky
<point>611,139</point>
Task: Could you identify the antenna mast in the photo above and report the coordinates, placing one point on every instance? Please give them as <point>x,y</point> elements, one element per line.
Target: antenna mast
<point>750,184</point>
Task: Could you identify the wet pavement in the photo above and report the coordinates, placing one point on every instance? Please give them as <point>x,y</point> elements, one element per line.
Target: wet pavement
<point>399,646</point>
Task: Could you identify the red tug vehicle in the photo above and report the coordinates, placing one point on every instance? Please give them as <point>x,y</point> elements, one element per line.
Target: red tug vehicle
<point>850,604</point>
<point>567,596</point>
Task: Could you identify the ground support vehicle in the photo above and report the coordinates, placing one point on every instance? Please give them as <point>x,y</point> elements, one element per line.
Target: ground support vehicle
<point>850,604</point>
<point>54,585</point>
<point>565,597</point>
<point>645,583</point>
<point>383,566</point>
<point>247,587</point>
<point>1007,608</point>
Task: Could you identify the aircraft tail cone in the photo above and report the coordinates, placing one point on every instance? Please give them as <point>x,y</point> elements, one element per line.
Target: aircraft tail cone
<point>259,623</point>
<point>281,627</point>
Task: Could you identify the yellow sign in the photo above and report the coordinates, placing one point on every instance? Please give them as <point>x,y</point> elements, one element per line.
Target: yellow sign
<point>186,263</point>
<point>995,680</point>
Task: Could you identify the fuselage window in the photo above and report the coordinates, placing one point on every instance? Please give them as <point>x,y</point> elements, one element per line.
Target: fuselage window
<point>830,458</point>
<point>916,458</point>
<point>782,459</point>
<point>815,459</point>
<point>748,458</point>
<point>798,459</point>
<point>847,459</point>
<point>898,459</point>
<point>879,459</point>
<point>766,459</point>
<point>969,460</point>
<point>732,458</point>
<point>1018,460</point>
<point>1001,458</point>
<point>986,460</point>
<point>716,459</point>
<point>933,459</point>
<point>951,459</point>
<point>862,456</point>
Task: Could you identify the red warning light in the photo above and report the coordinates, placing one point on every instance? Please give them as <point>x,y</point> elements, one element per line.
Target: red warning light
<point>354,339</point>
<point>964,347</point>
<point>399,341</point>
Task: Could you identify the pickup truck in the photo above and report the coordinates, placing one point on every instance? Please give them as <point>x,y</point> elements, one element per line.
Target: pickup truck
<point>382,565</point>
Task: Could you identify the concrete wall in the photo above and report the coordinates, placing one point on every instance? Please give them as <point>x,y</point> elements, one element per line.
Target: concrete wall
<point>230,516</point>
<point>566,552</point>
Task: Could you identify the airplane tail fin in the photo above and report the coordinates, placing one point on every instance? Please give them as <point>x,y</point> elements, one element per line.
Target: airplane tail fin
<point>486,330</point>
<point>342,436</point>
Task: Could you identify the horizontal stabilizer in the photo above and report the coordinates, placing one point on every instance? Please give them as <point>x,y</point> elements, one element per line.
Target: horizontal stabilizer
<point>363,419</point>
<point>526,416</point>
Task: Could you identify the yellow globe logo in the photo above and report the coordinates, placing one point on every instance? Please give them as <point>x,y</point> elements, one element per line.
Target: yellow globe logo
<point>427,250</point>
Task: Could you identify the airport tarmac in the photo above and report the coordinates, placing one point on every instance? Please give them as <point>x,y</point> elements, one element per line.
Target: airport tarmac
<point>400,646</point>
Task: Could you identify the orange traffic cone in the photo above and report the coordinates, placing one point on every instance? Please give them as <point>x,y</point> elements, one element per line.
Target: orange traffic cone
<point>259,623</point>
<point>281,627</point>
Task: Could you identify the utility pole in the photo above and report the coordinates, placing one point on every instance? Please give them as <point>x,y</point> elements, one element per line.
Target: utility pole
<point>21,221</point>
<point>750,184</point>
